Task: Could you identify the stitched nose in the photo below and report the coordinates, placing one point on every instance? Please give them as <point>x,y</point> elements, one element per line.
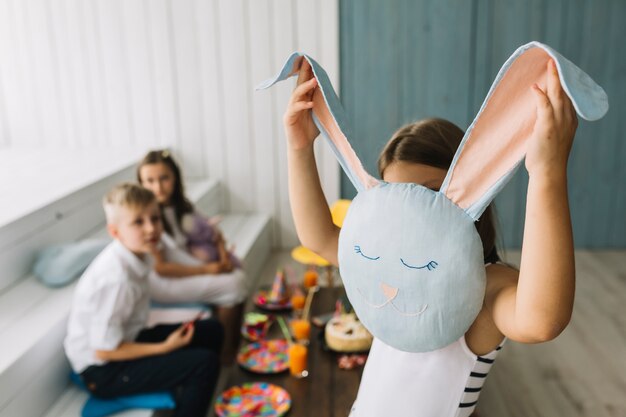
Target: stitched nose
<point>390,292</point>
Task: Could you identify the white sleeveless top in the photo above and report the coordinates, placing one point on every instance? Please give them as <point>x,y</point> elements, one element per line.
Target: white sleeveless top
<point>442,383</point>
<point>169,214</point>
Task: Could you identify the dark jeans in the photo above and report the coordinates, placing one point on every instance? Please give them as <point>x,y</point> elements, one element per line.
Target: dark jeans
<point>190,372</point>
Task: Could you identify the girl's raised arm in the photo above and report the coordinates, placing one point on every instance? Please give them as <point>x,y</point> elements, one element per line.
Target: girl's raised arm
<point>539,306</point>
<point>310,211</point>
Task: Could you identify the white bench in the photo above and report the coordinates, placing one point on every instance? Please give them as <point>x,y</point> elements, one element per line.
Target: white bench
<point>33,368</point>
<point>71,403</point>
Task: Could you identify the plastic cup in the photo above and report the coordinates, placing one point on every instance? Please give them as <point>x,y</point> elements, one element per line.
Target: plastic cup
<point>301,330</point>
<point>298,360</point>
<point>310,278</point>
<point>255,327</point>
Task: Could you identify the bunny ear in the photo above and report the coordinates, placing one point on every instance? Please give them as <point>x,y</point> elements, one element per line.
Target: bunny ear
<point>495,143</point>
<point>329,117</point>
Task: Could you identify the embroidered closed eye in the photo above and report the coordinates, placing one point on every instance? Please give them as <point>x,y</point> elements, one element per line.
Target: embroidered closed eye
<point>430,265</point>
<point>357,249</point>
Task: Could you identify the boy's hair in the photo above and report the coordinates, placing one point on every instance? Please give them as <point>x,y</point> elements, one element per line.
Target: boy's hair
<point>126,195</point>
<point>434,142</point>
<point>179,201</point>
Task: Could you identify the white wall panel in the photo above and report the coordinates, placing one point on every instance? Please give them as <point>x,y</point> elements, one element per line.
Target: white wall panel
<point>45,71</point>
<point>263,132</point>
<point>177,73</point>
<point>21,111</point>
<point>212,116</point>
<point>284,42</point>
<point>111,60</point>
<point>159,25</point>
<point>5,135</point>
<point>140,71</point>
<point>66,102</point>
<point>187,72</point>
<point>235,67</point>
<point>73,72</point>
<point>5,132</point>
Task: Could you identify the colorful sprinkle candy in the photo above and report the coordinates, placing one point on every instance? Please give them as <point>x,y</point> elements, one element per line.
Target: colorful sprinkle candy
<point>265,356</point>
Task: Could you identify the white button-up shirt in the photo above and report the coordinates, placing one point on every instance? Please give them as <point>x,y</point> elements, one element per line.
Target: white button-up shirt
<point>110,306</point>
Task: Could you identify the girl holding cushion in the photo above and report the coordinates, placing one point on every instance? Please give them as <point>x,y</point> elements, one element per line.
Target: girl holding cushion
<point>421,271</point>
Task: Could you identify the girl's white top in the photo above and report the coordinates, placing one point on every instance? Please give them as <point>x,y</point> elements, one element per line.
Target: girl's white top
<point>180,238</point>
<point>442,383</point>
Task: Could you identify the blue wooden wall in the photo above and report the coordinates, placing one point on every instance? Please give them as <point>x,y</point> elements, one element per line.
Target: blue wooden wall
<point>403,60</point>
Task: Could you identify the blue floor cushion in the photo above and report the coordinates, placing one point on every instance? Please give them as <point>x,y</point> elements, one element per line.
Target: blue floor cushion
<point>101,407</point>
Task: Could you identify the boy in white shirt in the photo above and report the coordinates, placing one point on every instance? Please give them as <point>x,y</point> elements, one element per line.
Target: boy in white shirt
<point>106,342</point>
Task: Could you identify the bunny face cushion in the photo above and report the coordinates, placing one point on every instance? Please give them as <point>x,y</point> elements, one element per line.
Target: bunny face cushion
<point>409,274</point>
<point>410,258</point>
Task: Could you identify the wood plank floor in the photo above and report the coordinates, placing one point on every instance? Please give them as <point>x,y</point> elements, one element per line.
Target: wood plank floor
<point>580,374</point>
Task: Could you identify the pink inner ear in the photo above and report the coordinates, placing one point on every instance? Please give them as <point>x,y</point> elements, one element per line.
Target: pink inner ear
<point>320,108</point>
<point>498,139</point>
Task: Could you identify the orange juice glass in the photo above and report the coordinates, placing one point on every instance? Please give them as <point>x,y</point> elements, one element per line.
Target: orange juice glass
<point>297,301</point>
<point>310,278</point>
<point>301,330</point>
<point>297,360</point>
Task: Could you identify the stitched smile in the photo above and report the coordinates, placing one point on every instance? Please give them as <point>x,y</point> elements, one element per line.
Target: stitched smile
<point>390,301</point>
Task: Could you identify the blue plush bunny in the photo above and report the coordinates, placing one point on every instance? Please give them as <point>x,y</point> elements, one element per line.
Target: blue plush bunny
<point>410,257</point>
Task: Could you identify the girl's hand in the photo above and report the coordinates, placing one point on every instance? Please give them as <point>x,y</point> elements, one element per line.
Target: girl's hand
<point>224,260</point>
<point>227,266</point>
<point>179,338</point>
<point>299,126</point>
<point>213,221</point>
<point>212,268</point>
<point>551,141</point>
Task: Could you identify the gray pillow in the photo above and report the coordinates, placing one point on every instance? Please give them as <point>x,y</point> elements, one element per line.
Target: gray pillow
<point>58,265</point>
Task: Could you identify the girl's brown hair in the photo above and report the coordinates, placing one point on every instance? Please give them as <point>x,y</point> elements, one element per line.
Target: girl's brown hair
<point>434,142</point>
<point>179,201</point>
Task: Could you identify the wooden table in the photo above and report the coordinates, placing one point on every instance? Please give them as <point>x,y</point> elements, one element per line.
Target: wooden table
<point>328,391</point>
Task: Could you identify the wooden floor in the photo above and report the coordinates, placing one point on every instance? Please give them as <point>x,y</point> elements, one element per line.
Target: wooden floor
<point>580,374</point>
<point>583,371</point>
